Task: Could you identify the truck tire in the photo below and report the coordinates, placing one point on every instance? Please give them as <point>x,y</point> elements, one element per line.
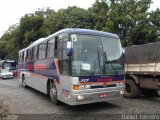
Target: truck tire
<point>131,90</point>
<point>149,92</point>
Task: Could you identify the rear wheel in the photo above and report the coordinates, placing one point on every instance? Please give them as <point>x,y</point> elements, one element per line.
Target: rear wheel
<point>24,81</point>
<point>53,93</point>
<point>131,90</point>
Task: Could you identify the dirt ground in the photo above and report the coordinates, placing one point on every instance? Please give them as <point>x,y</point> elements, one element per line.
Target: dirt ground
<point>15,99</point>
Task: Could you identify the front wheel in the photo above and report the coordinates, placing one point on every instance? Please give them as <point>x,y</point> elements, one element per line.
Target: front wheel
<point>53,93</point>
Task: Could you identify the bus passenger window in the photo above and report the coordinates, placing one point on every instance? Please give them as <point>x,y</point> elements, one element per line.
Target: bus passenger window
<point>50,48</point>
<point>43,50</point>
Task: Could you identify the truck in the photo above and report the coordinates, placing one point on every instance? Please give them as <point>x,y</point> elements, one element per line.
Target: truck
<point>142,70</point>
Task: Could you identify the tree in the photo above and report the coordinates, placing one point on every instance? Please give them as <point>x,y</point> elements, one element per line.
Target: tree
<point>72,17</point>
<point>99,12</point>
<point>155,22</point>
<point>21,35</point>
<point>130,20</point>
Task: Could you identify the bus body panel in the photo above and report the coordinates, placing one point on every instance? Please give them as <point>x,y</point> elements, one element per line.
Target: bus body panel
<point>70,96</point>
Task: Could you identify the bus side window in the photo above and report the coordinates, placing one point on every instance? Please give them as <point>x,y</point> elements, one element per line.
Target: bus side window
<point>50,48</point>
<point>56,47</point>
<point>22,56</point>
<point>37,52</point>
<point>40,51</point>
<point>43,50</point>
<point>33,57</point>
<point>27,57</point>
<point>29,54</point>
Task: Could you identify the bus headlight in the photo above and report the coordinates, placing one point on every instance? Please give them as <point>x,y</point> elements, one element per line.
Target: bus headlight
<point>81,87</point>
<point>87,86</point>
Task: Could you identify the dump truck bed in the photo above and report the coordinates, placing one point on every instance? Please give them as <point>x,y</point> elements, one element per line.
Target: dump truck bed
<point>143,59</point>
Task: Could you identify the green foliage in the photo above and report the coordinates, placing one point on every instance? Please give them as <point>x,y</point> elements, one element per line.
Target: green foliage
<point>67,18</point>
<point>99,12</point>
<point>130,19</point>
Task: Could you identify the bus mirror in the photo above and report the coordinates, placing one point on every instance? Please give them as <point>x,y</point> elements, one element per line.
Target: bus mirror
<point>69,48</point>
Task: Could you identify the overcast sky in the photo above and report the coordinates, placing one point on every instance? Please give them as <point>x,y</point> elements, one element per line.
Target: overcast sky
<point>12,10</point>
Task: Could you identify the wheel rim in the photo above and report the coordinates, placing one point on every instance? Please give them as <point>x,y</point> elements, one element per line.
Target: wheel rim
<point>128,88</point>
<point>53,92</point>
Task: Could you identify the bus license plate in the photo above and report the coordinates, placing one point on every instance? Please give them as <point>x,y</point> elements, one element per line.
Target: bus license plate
<point>103,95</point>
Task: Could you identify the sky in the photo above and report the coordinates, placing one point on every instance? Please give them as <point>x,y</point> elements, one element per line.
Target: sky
<point>12,10</point>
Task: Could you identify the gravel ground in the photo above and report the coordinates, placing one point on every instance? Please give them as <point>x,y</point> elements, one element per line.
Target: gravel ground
<point>14,99</point>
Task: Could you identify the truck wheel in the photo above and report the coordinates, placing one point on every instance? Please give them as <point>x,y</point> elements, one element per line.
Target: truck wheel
<point>53,93</point>
<point>131,89</point>
<point>149,92</point>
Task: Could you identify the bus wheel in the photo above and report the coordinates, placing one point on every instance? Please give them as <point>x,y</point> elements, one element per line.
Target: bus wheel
<point>53,93</point>
<point>131,89</point>
<point>24,81</point>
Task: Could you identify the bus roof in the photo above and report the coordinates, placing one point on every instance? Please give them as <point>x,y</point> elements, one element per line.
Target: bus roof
<point>76,31</point>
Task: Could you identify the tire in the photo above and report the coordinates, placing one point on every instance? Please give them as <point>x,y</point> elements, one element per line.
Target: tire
<point>53,93</point>
<point>131,89</point>
<point>149,93</point>
<point>24,82</point>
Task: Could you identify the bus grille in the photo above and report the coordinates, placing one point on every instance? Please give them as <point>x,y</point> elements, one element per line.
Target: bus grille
<point>102,86</point>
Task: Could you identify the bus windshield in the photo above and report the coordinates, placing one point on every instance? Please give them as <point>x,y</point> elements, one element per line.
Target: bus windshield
<point>96,55</point>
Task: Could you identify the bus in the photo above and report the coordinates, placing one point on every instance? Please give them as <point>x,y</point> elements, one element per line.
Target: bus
<point>75,66</point>
<point>9,64</point>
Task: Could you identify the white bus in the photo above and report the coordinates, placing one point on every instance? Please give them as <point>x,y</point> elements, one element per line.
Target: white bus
<point>74,66</point>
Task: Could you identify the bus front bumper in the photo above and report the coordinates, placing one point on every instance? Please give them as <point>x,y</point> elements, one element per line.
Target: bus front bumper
<point>94,97</point>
